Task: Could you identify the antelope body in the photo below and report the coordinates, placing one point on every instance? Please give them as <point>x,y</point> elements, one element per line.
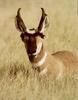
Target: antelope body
<point>57,64</point>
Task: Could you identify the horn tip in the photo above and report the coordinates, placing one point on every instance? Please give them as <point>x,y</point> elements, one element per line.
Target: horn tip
<point>43,11</point>
<point>42,8</point>
<point>18,10</point>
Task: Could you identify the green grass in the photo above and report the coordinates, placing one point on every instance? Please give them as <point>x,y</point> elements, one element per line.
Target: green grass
<point>17,79</point>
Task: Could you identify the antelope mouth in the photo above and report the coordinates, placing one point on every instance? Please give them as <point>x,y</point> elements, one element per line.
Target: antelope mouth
<point>31,52</point>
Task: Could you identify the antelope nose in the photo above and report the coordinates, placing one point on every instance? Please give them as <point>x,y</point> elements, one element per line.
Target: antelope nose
<point>31,51</point>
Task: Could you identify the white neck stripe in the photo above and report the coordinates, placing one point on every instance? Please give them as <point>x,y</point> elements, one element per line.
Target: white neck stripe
<point>41,62</point>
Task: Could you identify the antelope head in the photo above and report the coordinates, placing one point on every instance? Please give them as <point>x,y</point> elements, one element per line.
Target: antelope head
<point>32,38</point>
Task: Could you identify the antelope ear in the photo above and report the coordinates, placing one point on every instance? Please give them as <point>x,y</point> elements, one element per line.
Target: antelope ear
<point>43,22</point>
<point>46,22</point>
<point>19,22</point>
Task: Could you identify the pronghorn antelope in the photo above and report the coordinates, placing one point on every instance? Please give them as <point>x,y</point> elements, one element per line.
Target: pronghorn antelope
<point>57,64</point>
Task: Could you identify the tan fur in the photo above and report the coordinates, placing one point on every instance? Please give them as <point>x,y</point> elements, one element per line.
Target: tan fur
<point>61,63</point>
<point>57,64</point>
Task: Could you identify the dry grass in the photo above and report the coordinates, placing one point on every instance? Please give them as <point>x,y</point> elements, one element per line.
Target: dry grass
<point>17,79</point>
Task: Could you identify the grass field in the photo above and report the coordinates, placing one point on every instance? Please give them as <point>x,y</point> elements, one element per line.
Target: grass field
<point>17,79</point>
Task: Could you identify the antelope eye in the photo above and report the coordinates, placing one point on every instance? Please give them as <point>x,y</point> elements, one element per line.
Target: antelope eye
<point>42,35</point>
<point>24,37</point>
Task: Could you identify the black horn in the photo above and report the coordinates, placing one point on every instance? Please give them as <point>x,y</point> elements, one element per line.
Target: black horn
<point>19,22</point>
<point>42,20</point>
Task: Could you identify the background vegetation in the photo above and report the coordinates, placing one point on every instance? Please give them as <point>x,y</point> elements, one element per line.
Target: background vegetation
<point>17,79</point>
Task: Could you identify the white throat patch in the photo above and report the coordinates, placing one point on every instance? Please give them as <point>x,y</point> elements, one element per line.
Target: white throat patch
<point>41,62</point>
